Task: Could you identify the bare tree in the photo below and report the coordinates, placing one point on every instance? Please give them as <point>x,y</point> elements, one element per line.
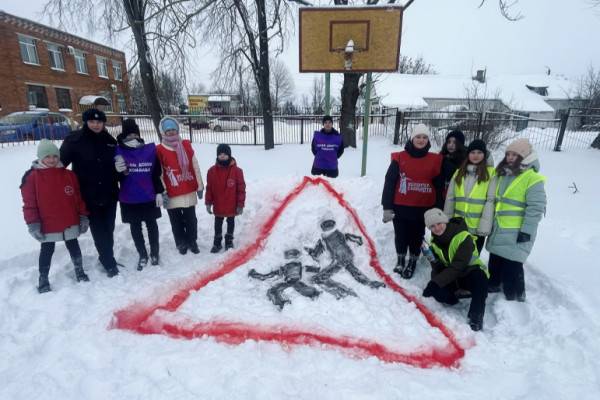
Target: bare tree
<point>317,95</point>
<point>416,66</point>
<point>169,91</point>
<point>589,92</point>
<point>242,31</point>
<point>282,83</point>
<point>161,32</point>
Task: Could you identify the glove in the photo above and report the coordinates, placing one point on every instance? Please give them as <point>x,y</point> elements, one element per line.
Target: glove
<point>388,215</point>
<point>84,224</point>
<point>120,165</point>
<point>239,211</point>
<point>165,199</point>
<point>35,230</point>
<point>431,289</point>
<point>209,208</point>
<point>159,200</point>
<point>523,237</point>
<point>200,194</point>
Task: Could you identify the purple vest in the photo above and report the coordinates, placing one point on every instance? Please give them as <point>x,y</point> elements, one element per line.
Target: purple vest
<point>136,186</point>
<point>327,148</point>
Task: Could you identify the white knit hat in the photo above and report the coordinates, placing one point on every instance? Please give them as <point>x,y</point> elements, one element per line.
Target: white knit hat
<point>435,216</point>
<point>520,146</point>
<point>420,129</point>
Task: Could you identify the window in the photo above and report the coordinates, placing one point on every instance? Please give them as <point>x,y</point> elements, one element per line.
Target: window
<point>102,67</point>
<point>122,103</point>
<point>36,96</point>
<point>117,71</point>
<point>80,64</point>
<point>108,97</point>
<point>57,61</point>
<point>63,98</point>
<point>28,50</point>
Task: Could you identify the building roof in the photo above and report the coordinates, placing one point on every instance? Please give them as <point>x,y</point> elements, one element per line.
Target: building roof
<point>404,90</point>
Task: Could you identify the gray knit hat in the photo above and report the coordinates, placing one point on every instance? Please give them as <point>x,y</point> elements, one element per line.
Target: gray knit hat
<point>435,216</point>
<point>47,148</point>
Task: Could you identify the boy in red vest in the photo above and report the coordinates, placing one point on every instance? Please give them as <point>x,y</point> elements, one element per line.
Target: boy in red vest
<point>225,195</point>
<point>54,210</point>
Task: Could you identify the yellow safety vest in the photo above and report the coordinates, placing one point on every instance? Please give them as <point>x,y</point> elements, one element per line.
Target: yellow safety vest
<point>510,206</point>
<point>470,207</point>
<point>454,245</point>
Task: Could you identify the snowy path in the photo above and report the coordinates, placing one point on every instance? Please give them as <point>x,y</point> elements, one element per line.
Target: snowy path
<point>58,345</point>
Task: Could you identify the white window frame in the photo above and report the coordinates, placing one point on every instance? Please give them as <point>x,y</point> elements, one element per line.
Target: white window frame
<point>102,61</point>
<point>117,66</point>
<point>54,53</point>
<point>31,49</point>
<point>80,61</point>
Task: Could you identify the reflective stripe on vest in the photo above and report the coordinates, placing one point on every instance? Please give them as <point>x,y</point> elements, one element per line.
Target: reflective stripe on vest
<point>454,245</point>
<point>510,206</point>
<point>470,207</point>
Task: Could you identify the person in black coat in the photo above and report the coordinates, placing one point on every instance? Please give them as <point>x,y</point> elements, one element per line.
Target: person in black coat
<point>455,153</point>
<point>91,150</point>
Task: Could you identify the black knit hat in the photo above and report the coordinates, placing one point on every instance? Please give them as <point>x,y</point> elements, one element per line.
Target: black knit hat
<point>327,118</point>
<point>223,149</point>
<point>477,144</point>
<point>458,135</point>
<point>93,114</point>
<point>129,126</point>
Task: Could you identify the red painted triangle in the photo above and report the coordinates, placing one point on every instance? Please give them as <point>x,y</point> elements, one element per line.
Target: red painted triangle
<point>149,317</point>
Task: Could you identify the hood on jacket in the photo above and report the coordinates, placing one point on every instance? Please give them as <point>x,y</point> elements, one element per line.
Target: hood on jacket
<point>531,161</point>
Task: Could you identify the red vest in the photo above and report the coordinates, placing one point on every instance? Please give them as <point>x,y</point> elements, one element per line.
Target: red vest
<point>174,180</point>
<point>415,184</point>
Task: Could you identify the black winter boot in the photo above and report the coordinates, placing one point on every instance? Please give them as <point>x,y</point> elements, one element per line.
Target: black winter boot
<point>154,259</point>
<point>182,248</point>
<point>194,248</point>
<point>400,264</point>
<point>142,262</point>
<point>43,284</point>
<point>476,322</point>
<point>409,270</point>
<point>80,274</point>
<point>228,242</point>
<point>216,244</point>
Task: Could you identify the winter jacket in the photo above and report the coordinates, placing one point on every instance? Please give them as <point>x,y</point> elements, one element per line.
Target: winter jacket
<point>225,189</point>
<point>92,155</point>
<point>502,241</point>
<point>463,261</point>
<point>469,181</point>
<point>327,147</point>
<point>184,200</point>
<point>51,197</point>
<point>392,183</point>
<point>450,164</point>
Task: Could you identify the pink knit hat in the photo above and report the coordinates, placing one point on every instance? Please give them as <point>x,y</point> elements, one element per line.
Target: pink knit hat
<point>520,146</point>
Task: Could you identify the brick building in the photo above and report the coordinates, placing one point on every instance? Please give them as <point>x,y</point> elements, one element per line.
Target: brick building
<point>45,68</point>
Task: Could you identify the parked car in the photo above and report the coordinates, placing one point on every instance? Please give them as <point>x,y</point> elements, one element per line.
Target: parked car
<point>35,125</point>
<point>228,124</point>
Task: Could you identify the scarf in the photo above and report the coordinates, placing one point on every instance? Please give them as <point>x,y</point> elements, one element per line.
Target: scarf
<point>174,141</point>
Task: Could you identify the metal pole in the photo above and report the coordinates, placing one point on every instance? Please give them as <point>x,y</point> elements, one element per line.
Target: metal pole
<point>564,119</point>
<point>367,103</point>
<point>327,93</point>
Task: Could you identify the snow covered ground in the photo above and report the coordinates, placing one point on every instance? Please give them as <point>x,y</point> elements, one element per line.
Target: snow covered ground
<point>60,345</point>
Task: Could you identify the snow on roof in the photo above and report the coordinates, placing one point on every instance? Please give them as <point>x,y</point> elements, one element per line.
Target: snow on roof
<point>404,90</point>
<point>219,98</point>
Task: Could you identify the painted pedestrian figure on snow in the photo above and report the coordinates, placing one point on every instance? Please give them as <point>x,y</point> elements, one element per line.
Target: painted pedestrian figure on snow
<point>291,273</point>
<point>342,256</point>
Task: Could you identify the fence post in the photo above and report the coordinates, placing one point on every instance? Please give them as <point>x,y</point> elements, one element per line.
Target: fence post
<point>301,130</point>
<point>564,118</point>
<point>254,125</point>
<point>397,125</point>
<point>190,128</point>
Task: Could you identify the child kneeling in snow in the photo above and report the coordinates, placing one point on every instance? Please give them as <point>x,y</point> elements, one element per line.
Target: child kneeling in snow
<point>54,210</point>
<point>141,189</point>
<point>225,195</point>
<point>456,265</point>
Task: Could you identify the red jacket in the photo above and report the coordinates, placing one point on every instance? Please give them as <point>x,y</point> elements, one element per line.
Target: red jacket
<point>51,197</point>
<point>225,189</point>
<point>175,182</point>
<point>415,186</point>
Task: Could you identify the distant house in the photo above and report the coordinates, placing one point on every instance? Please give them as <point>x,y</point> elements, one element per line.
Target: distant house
<point>536,96</point>
<point>45,68</point>
<point>214,103</point>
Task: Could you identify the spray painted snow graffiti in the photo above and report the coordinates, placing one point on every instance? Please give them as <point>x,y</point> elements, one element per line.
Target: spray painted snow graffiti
<point>156,315</point>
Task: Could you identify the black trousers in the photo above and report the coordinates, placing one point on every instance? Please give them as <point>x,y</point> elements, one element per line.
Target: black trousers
<point>479,243</point>
<point>409,235</point>
<point>102,226</point>
<point>184,225</point>
<point>47,251</point>
<point>219,227</point>
<point>477,283</point>
<point>331,173</point>
<point>508,273</point>
<point>138,237</point>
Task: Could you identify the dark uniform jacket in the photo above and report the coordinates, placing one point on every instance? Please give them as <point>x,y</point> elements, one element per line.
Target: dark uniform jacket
<point>92,155</point>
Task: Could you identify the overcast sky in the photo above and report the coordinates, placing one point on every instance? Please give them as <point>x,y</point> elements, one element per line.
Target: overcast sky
<point>457,37</point>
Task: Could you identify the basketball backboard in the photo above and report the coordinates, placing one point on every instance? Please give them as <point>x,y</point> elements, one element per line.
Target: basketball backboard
<point>326,32</point>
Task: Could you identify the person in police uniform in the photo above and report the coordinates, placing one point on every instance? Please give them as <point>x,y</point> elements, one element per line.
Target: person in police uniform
<point>520,205</point>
